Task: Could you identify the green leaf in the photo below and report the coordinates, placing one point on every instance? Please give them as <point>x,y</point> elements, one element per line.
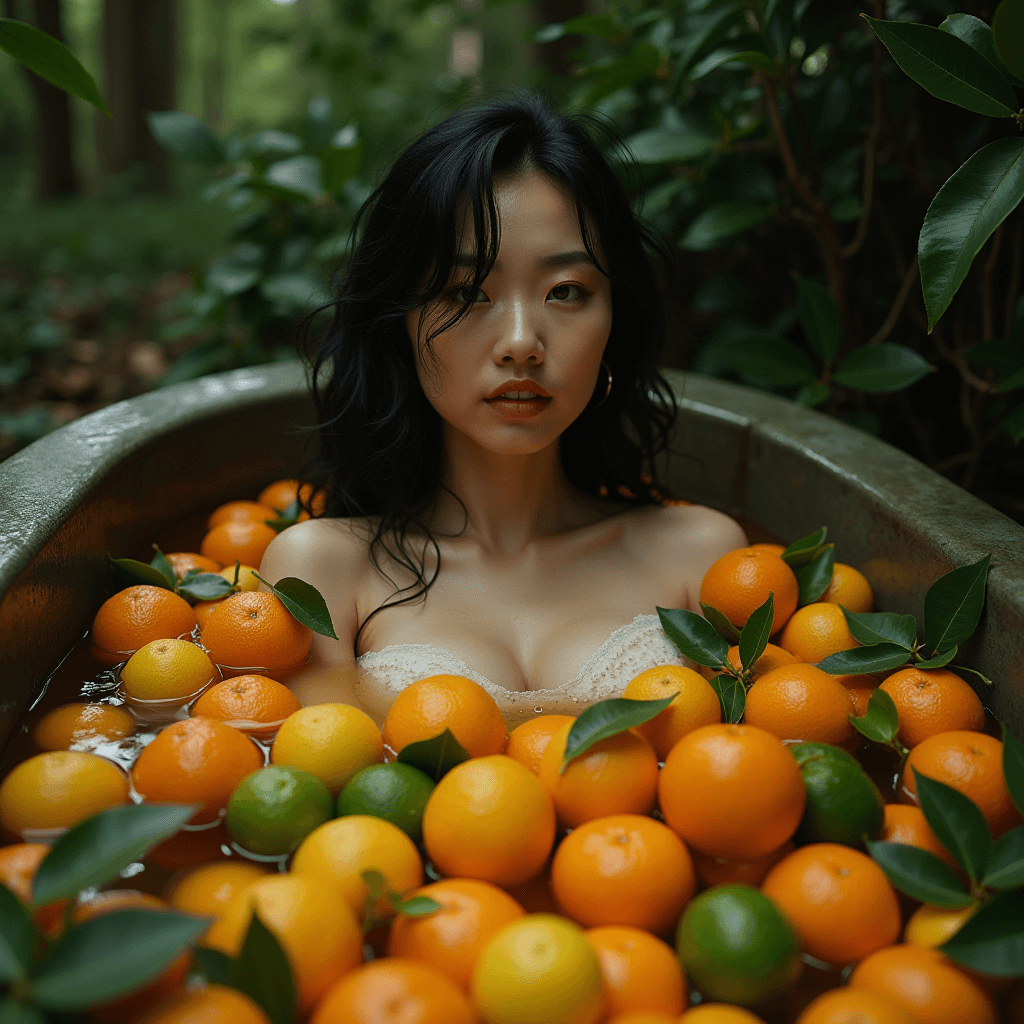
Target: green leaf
<point>1013,425</point>
<point>812,395</point>
<point>730,55</point>
<point>723,627</point>
<point>877,627</point>
<point>111,955</point>
<point>806,549</point>
<point>1008,35</point>
<point>820,318</point>
<point>608,718</point>
<point>186,137</point>
<point>229,276</point>
<point>754,635</point>
<point>957,824</point>
<point>601,25</point>
<point>1012,383</point>
<point>771,358</point>
<point>814,578</point>
<point>669,145</point>
<point>939,660</point>
<point>694,636</point>
<point>881,657</point>
<point>1013,767</point>
<point>992,941</point>
<point>304,602</point>
<point>162,566</point>
<point>299,175</point>
<point>435,756</point>
<point>142,573</point>
<point>919,874</point>
<point>12,1011</point>
<point>341,158</point>
<point>947,67</point>
<point>881,721</point>
<point>976,33</point>
<point>1005,868</point>
<point>722,221</point>
<point>263,973</point>
<point>732,696</point>
<point>952,605</point>
<point>17,937</point>
<point>213,965</point>
<point>417,906</point>
<point>49,59</point>
<point>880,369</point>
<point>205,586</point>
<point>972,203</point>
<point>96,850</point>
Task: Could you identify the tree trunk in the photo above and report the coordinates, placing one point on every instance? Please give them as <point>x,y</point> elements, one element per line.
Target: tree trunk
<point>555,56</point>
<point>140,66</point>
<point>217,36</point>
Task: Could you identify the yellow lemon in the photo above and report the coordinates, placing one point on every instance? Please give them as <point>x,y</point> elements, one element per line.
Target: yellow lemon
<point>932,926</point>
<point>167,670</point>
<point>247,582</point>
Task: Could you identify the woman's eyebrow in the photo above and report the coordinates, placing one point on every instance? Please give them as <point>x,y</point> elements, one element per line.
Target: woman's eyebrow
<point>561,259</point>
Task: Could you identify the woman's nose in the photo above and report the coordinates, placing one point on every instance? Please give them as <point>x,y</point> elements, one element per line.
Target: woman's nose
<point>520,330</point>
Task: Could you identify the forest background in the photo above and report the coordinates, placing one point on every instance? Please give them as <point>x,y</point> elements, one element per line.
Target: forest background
<point>776,143</point>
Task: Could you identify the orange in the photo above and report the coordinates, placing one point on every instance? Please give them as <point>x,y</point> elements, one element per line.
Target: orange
<point>255,633</point>
<point>740,581</point>
<point>255,704</point>
<point>212,1004</point>
<point>859,689</point>
<point>56,790</point>
<point>19,863</point>
<point>930,701</point>
<point>198,760</point>
<point>535,895</point>
<point>282,493</point>
<point>732,791</point>
<point>837,899</point>
<point>714,871</point>
<point>311,919</point>
<point>850,588</point>
<point>330,741</point>
<point>771,657</point>
<point>431,705</point>
<point>167,670</point>
<point>816,631</point>
<point>244,511</point>
<point>718,1013</point>
<point>932,926</point>
<point>450,939</point>
<point>695,703</point>
<point>183,561</point>
<point>639,971</point>
<point>489,818</point>
<point>339,851</point>
<point>136,615</point>
<point>854,1006</point>
<point>775,549</point>
<point>527,742</point>
<point>970,762</point>
<point>238,540</point>
<point>207,890</point>
<point>82,726</point>
<point>395,991</point>
<point>625,869</point>
<point>618,775</point>
<point>907,825</point>
<point>202,611</point>
<point>926,984</point>
<point>800,702</point>
<point>642,1017</point>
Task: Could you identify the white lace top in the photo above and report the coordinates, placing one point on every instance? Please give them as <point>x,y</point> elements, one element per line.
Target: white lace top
<point>630,650</point>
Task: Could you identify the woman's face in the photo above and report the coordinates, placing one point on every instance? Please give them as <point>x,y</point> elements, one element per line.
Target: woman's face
<point>543,314</point>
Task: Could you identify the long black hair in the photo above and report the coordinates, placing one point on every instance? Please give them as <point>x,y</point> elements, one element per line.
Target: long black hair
<point>379,441</point>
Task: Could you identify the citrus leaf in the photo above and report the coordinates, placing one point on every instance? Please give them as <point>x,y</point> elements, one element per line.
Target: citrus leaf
<point>142,573</point>
<point>185,136</point>
<point>952,605</point>
<point>729,55</point>
<point>1008,35</point>
<point>111,955</point>
<point>732,696</point>
<point>417,906</point>
<point>435,756</point>
<point>919,874</point>
<point>880,369</point>
<point>877,627</point>
<point>304,601</point>
<point>939,660</point>
<point>694,636</point>
<point>754,636</point>
<point>205,586</point>
<point>770,358</point>
<point>17,937</point>
<point>1013,767</point>
<point>812,395</point>
<point>819,317</point>
<point>214,965</point>
<point>723,626</point>
<point>992,940</point>
<point>957,824</point>
<point>49,59</point>
<point>947,67</point>
<point>96,850</point>
<point>802,551</point>
<point>162,566</point>
<point>263,973</point>
<point>608,718</point>
<point>717,223</point>
<point>881,657</point>
<point>1005,868</point>
<point>974,32</point>
<point>814,578</point>
<point>972,203</point>
<point>881,721</point>
<point>669,145</point>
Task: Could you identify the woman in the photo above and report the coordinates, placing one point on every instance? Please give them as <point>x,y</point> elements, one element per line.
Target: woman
<point>500,254</point>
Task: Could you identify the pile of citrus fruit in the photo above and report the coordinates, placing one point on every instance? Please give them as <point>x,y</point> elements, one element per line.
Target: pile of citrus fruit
<point>439,869</point>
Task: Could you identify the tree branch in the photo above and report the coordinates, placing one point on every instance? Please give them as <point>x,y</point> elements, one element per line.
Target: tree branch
<point>889,323</point>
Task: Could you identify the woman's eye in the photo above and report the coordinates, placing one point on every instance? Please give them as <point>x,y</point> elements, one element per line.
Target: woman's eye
<point>468,294</point>
<point>566,292</point>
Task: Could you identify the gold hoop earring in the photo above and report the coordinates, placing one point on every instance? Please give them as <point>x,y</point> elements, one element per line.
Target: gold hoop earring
<point>608,390</point>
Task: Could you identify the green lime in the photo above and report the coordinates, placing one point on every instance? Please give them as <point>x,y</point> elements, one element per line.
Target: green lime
<point>737,947</point>
<point>272,810</point>
<point>843,803</point>
<point>396,792</point>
